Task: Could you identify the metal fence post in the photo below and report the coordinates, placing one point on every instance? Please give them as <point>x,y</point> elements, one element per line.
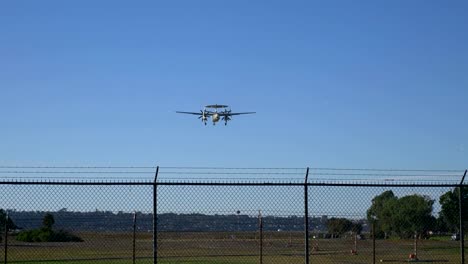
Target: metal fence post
<point>260,227</point>
<point>306,216</point>
<point>373,241</point>
<point>6,238</point>
<point>460,207</point>
<point>155,217</point>
<point>134,237</point>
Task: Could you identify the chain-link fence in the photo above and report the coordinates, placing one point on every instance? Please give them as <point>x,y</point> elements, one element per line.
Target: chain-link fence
<point>231,215</point>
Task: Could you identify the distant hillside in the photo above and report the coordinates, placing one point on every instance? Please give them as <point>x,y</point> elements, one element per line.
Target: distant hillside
<point>109,221</point>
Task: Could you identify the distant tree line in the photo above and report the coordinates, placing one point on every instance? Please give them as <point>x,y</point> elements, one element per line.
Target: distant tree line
<point>123,221</point>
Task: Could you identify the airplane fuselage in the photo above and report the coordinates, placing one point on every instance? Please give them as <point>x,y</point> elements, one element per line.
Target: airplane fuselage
<point>215,117</point>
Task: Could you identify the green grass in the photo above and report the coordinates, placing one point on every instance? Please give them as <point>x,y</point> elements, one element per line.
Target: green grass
<point>441,238</point>
<point>130,261</point>
<point>223,248</point>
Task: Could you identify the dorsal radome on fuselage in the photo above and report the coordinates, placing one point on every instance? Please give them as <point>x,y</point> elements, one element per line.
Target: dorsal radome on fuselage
<point>216,106</point>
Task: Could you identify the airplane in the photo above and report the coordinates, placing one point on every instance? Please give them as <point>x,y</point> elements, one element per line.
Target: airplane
<point>225,115</point>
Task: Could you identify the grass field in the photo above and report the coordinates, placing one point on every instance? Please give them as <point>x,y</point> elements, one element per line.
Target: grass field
<point>225,248</point>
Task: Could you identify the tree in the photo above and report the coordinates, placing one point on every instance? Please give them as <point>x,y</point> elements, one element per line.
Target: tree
<point>413,215</point>
<point>449,213</point>
<point>403,216</point>
<point>10,224</point>
<point>48,221</point>
<point>378,203</point>
<point>46,233</point>
<point>339,226</point>
<point>381,212</point>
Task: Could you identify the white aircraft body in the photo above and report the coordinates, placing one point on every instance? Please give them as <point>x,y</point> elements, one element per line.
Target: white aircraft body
<point>224,115</point>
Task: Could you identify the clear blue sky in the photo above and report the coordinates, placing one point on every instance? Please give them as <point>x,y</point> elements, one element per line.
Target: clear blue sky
<point>335,83</point>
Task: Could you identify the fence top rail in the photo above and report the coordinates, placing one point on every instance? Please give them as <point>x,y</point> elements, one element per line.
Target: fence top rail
<point>152,168</point>
<point>225,183</point>
<point>211,175</point>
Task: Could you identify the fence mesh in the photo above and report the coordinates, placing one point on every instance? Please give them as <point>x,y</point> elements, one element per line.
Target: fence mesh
<point>230,215</point>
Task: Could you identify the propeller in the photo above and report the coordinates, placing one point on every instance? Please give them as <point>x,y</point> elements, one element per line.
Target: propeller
<point>226,117</point>
<point>203,116</point>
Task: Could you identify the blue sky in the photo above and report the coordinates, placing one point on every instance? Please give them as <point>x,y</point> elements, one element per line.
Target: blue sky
<point>372,84</point>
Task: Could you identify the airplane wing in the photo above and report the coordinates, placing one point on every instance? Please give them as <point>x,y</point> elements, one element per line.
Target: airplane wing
<point>194,113</point>
<point>232,114</point>
<point>190,113</point>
